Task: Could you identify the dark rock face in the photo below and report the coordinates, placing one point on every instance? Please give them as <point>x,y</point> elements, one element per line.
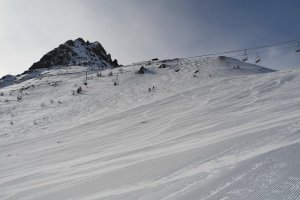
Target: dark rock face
<point>142,70</point>
<point>77,52</point>
<point>162,66</point>
<point>7,80</point>
<point>8,77</point>
<point>58,56</point>
<point>115,63</point>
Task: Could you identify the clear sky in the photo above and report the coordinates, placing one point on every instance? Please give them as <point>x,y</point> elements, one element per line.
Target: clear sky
<point>136,30</point>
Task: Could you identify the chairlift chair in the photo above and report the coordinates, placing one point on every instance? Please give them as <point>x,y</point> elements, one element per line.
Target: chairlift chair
<point>298,48</point>
<point>257,59</point>
<point>245,57</point>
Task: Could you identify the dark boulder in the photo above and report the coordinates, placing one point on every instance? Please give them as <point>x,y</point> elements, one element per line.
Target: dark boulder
<point>142,70</point>
<point>162,66</point>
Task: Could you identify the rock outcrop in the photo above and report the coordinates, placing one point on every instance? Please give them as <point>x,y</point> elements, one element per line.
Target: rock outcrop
<point>77,52</point>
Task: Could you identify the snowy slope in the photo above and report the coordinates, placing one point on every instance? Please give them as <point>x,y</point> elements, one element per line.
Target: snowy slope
<point>224,133</point>
<point>54,88</point>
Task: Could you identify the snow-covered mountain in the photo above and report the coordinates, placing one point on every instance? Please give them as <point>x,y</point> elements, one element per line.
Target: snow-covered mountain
<point>209,128</point>
<point>73,52</point>
<point>77,52</point>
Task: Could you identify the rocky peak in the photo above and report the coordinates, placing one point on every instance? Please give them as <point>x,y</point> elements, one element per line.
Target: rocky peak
<point>76,52</point>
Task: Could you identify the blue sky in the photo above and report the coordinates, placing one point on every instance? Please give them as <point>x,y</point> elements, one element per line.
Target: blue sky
<point>135,30</point>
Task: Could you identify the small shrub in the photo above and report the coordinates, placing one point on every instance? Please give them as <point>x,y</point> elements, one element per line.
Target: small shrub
<point>1,94</point>
<point>19,98</point>
<point>115,82</point>
<point>51,101</point>
<point>6,100</point>
<point>43,104</point>
<point>59,102</point>
<point>79,90</point>
<point>11,123</point>
<point>110,74</point>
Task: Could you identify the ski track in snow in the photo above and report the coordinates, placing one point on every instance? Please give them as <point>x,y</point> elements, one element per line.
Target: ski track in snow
<point>235,135</point>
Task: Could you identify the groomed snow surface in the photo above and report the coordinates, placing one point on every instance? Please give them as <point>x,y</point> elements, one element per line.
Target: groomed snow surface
<point>224,132</point>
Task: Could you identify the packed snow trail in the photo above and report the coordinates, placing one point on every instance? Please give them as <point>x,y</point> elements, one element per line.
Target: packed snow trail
<point>231,137</point>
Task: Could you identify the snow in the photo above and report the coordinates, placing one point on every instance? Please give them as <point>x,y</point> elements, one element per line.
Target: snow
<point>86,56</point>
<point>224,133</point>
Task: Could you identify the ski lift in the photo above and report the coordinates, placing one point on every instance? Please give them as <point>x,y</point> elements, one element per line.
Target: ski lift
<point>298,48</point>
<point>257,59</point>
<point>245,57</point>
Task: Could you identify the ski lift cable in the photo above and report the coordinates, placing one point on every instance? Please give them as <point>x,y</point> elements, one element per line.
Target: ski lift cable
<point>254,53</point>
<point>272,45</point>
<point>257,53</point>
<point>261,52</point>
<point>245,49</point>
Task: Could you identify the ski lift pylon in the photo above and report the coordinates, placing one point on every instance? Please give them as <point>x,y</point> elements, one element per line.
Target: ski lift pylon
<point>257,59</point>
<point>245,57</point>
<point>298,48</point>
